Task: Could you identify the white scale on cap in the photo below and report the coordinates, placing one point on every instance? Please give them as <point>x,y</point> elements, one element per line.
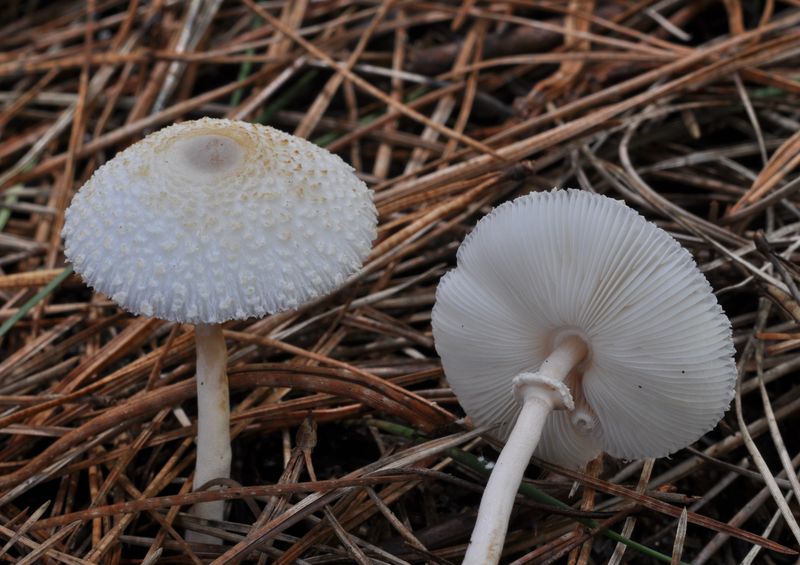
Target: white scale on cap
<point>213,220</point>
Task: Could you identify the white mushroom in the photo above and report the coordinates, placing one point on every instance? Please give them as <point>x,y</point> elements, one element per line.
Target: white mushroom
<point>214,220</point>
<point>571,316</point>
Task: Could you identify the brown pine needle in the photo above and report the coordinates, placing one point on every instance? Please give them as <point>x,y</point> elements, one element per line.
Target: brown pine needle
<point>689,111</point>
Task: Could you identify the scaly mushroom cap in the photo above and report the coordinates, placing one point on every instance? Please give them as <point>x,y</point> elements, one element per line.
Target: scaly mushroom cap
<point>212,220</point>
<point>660,371</point>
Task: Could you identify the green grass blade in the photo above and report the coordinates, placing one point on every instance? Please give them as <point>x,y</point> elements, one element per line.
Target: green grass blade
<point>10,198</point>
<point>528,491</point>
<point>288,96</point>
<point>38,297</point>
<point>245,69</point>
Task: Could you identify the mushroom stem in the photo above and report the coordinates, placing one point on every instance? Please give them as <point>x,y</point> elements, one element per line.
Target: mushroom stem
<point>213,421</point>
<point>540,393</point>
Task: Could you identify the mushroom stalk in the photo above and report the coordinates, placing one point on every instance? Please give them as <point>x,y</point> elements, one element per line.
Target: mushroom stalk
<point>213,420</point>
<point>540,393</point>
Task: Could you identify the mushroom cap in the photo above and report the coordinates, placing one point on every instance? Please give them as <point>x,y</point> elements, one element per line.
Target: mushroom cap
<point>212,220</point>
<point>660,370</point>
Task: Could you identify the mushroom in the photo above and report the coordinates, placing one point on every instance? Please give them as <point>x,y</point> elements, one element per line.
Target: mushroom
<point>571,317</point>
<point>214,220</point>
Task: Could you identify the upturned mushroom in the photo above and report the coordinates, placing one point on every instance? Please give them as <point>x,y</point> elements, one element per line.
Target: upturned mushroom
<point>578,327</point>
<point>215,220</point>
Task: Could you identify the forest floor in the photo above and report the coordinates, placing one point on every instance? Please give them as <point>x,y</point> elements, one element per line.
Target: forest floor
<point>349,447</point>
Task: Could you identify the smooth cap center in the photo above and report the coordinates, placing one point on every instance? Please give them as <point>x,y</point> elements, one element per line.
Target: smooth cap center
<point>209,153</point>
